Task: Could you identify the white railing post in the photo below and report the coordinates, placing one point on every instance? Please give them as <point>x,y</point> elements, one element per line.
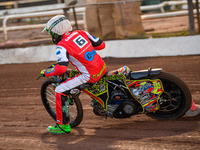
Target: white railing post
<point>5,28</point>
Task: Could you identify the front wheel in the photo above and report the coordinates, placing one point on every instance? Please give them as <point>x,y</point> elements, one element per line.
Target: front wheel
<point>175,100</point>
<point>48,99</point>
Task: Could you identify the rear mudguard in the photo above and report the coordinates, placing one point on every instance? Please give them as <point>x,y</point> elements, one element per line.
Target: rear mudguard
<point>144,73</point>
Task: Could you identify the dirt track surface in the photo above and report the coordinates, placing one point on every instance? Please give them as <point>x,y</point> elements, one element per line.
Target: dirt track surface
<point>24,119</point>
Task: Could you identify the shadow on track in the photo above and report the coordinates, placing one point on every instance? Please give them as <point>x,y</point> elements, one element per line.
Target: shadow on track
<point>107,137</point>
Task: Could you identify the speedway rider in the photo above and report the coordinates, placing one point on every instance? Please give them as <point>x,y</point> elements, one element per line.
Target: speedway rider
<point>78,48</point>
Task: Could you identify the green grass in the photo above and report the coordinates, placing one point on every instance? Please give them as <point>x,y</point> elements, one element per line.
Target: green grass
<point>142,36</point>
<point>170,34</point>
<point>33,21</point>
<point>157,35</point>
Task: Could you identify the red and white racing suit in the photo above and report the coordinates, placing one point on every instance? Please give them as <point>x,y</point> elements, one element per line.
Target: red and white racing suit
<point>78,48</point>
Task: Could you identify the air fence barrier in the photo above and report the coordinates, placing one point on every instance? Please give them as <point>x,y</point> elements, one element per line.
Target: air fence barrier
<point>173,46</point>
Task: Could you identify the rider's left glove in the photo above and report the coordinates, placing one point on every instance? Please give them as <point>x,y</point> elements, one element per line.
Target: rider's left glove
<point>42,73</point>
<point>53,65</point>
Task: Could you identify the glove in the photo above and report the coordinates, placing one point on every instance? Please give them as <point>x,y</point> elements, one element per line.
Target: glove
<point>42,73</point>
<point>53,65</point>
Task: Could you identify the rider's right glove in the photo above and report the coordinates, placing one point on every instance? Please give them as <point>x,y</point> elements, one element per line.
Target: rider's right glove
<point>42,73</point>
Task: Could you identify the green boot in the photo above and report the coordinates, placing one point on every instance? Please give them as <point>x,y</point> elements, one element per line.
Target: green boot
<point>59,129</point>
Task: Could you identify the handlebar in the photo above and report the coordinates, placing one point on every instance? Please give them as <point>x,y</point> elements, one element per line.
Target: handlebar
<point>38,77</point>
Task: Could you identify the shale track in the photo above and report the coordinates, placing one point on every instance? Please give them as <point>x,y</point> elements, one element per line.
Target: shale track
<point>24,119</point>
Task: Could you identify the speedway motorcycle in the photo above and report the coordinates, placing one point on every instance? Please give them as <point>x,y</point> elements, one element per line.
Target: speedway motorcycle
<point>122,94</point>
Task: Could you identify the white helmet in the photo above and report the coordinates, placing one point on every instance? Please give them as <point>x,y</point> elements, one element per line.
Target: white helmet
<point>57,26</point>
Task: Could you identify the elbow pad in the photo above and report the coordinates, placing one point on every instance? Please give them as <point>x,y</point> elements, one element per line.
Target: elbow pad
<point>57,70</point>
<point>100,47</point>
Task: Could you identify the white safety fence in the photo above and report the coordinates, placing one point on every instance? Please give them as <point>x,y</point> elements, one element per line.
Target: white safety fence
<point>188,45</point>
<point>167,14</point>
<point>163,4</point>
<point>80,11</point>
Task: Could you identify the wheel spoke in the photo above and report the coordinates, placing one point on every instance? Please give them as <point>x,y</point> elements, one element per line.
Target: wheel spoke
<point>174,92</point>
<point>173,106</point>
<point>52,101</point>
<point>72,115</point>
<point>74,108</point>
<point>73,111</point>
<point>50,95</point>
<point>50,91</point>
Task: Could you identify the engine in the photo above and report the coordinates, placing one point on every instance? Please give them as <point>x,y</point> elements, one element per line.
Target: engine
<point>125,110</point>
<point>118,106</point>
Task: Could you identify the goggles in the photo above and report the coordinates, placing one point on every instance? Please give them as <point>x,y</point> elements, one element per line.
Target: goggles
<point>52,25</point>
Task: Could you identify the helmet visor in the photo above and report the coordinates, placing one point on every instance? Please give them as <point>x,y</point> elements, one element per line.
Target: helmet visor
<point>54,24</point>
<point>45,29</point>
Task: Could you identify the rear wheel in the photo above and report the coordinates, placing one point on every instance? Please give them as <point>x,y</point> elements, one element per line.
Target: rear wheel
<point>48,99</point>
<point>175,100</point>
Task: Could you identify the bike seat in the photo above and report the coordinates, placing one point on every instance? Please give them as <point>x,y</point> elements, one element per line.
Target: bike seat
<point>144,73</point>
